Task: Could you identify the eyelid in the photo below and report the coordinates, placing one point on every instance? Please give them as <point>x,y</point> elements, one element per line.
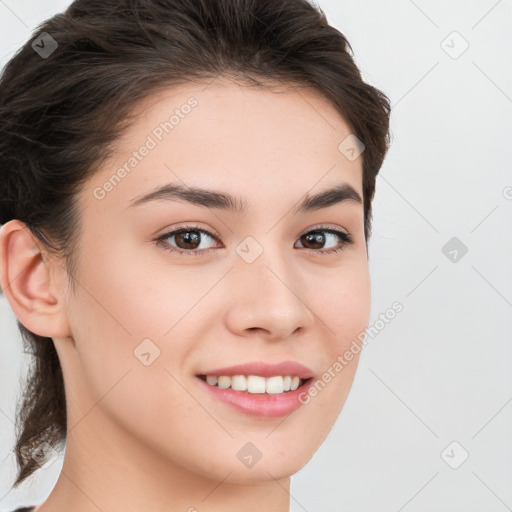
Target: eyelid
<point>326,227</point>
<point>190,227</point>
<point>331,229</point>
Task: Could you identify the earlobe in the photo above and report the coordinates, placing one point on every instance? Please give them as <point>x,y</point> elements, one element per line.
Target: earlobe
<point>26,281</point>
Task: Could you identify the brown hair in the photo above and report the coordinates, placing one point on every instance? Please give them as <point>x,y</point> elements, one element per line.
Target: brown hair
<point>61,111</point>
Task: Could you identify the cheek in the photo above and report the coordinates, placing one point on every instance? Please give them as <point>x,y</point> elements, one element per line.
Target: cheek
<point>343,304</point>
<point>137,294</point>
<point>129,313</point>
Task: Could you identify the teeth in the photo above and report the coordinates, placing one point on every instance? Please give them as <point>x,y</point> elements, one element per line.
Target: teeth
<point>239,382</point>
<point>211,379</point>
<point>224,382</point>
<point>274,385</point>
<point>255,384</point>
<point>295,383</point>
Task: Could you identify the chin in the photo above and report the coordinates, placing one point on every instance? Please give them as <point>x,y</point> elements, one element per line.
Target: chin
<point>250,465</point>
<point>272,470</point>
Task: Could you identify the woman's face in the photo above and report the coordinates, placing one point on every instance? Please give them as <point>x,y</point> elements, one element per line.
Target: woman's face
<point>253,280</point>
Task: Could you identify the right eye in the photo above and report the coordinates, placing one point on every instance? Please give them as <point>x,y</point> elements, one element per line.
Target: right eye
<point>187,240</point>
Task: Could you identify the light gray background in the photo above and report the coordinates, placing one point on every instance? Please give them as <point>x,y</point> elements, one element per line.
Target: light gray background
<point>440,371</point>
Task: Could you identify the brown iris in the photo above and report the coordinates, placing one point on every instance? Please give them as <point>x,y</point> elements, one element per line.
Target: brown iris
<point>188,238</point>
<point>317,238</point>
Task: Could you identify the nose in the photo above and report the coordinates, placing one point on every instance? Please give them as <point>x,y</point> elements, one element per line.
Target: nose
<point>268,299</point>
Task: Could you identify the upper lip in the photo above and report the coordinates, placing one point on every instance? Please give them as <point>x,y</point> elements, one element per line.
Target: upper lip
<point>263,369</point>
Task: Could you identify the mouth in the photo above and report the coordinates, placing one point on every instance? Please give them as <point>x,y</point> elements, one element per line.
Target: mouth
<point>259,388</point>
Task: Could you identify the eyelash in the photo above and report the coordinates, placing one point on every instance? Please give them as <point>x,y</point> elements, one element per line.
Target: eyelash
<point>345,237</point>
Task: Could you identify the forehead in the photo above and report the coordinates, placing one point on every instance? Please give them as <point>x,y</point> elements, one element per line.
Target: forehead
<point>247,113</point>
<point>223,135</point>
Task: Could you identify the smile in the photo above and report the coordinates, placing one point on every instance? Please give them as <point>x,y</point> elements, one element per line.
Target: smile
<point>255,400</point>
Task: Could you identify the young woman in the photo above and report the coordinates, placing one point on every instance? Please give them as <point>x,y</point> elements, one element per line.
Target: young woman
<point>186,190</point>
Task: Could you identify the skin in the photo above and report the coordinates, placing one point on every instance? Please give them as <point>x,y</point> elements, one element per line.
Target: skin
<point>149,437</point>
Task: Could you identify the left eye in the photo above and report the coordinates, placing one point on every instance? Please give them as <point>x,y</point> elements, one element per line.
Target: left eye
<point>319,238</point>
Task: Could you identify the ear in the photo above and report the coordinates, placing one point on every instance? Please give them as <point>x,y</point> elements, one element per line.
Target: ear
<point>26,280</point>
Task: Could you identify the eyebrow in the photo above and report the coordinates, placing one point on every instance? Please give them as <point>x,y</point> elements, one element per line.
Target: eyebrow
<point>220,200</point>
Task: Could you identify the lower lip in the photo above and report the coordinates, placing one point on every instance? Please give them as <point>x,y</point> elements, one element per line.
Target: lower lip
<point>261,405</point>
